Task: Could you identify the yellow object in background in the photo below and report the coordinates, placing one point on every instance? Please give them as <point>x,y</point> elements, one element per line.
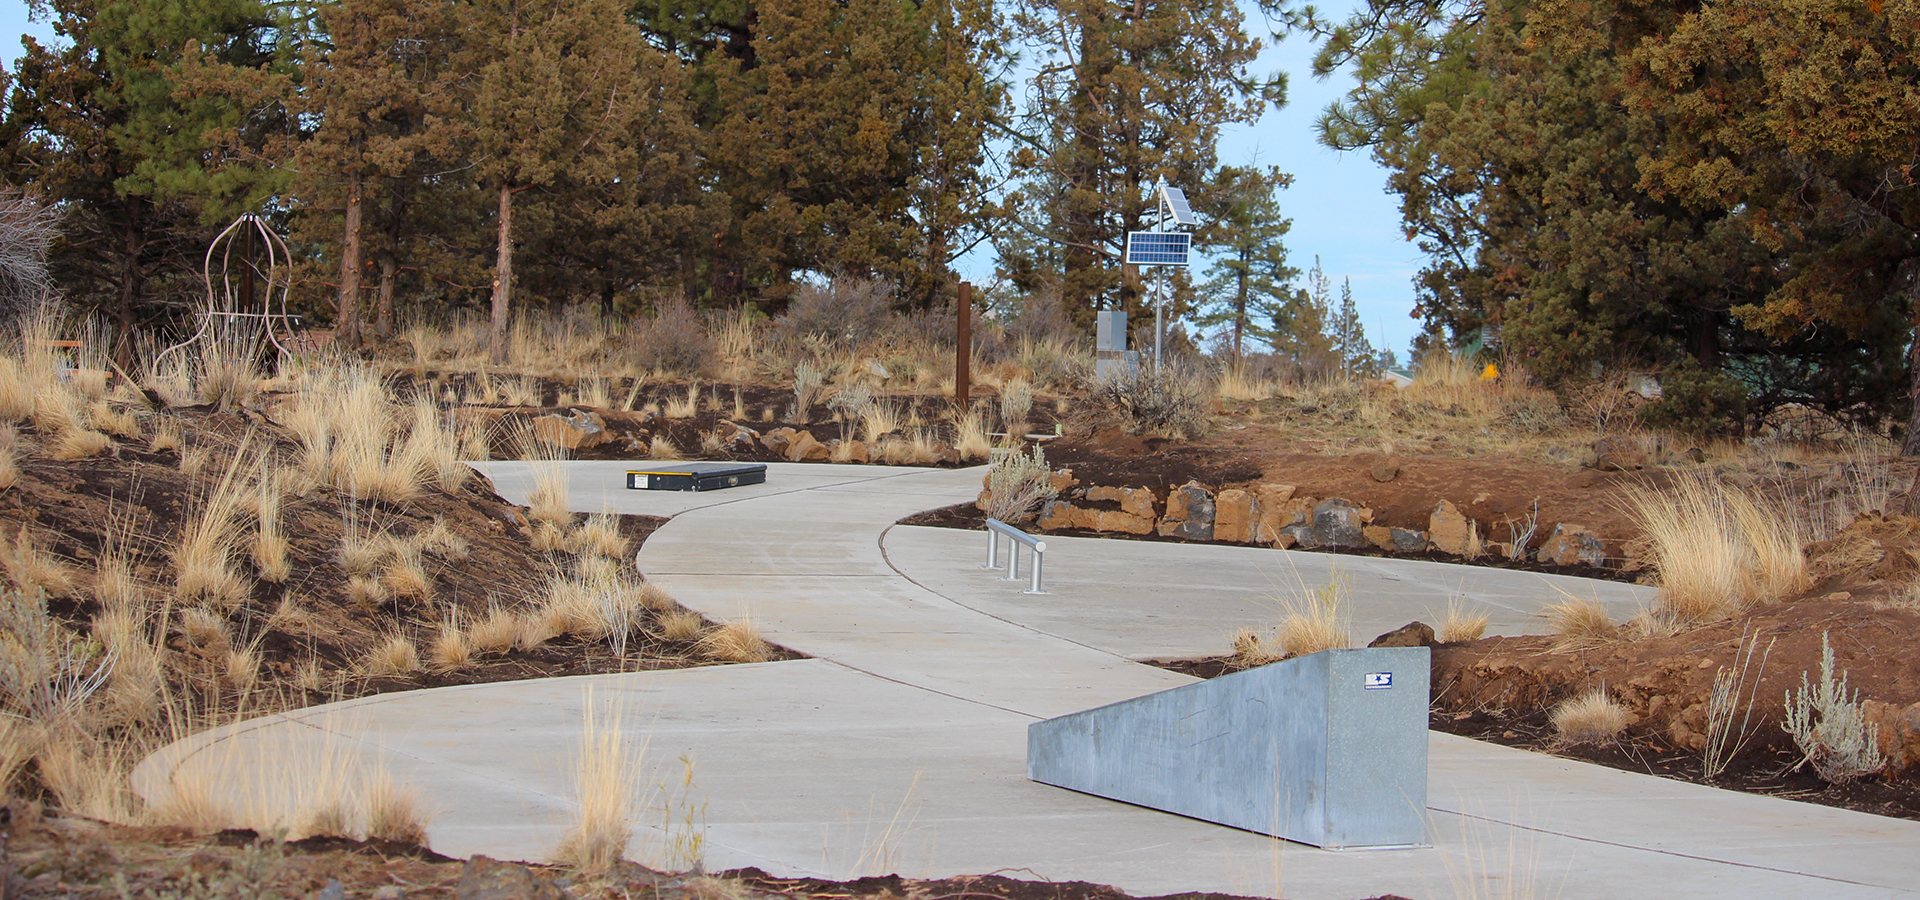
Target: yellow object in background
<point>1490,373</point>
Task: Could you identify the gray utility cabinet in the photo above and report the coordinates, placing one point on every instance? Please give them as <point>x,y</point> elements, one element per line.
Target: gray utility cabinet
<point>1328,749</point>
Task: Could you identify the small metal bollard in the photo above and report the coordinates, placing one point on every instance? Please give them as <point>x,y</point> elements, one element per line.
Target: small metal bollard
<point>1015,538</point>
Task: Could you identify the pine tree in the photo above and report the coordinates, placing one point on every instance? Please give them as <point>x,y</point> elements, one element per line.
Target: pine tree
<point>108,126</point>
<point>1124,92</point>
<point>1300,328</point>
<point>382,84</point>
<point>1349,337</point>
<point>1248,277</point>
<point>559,86</point>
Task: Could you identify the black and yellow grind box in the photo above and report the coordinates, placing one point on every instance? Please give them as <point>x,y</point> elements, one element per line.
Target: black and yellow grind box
<point>696,477</point>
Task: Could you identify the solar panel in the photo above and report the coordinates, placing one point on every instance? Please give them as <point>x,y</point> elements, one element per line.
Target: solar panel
<point>1158,248</point>
<point>1176,200</point>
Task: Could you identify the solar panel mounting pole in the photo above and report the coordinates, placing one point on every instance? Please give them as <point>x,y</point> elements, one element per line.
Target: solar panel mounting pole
<point>1159,282</point>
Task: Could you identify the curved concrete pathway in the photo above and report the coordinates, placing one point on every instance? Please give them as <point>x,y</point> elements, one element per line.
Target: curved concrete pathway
<point>900,747</point>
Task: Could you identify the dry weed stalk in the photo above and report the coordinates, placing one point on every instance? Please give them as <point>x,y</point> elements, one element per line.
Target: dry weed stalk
<point>1733,694</point>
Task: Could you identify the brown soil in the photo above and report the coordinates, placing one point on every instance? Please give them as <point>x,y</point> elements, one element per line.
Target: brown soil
<point>78,859</point>
<point>141,499</point>
<point>1503,689</point>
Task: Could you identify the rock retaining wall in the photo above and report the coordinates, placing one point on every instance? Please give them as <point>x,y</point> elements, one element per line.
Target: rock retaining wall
<point>1276,515</point>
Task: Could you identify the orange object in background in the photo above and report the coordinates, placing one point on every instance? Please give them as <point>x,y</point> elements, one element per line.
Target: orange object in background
<point>1490,373</point>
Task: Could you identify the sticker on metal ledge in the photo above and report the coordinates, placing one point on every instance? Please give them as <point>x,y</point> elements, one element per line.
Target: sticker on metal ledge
<point>1379,681</point>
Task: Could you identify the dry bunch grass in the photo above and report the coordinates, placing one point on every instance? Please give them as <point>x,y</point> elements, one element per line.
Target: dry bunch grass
<point>31,567</point>
<point>80,443</point>
<point>204,627</point>
<point>600,536</point>
<point>736,641</point>
<point>270,545</point>
<point>166,436</point>
<point>203,558</point>
<point>1316,621</point>
<point>1718,548</point>
<point>970,439</point>
<point>606,778</point>
<point>497,632</point>
<point>662,447</point>
<point>9,457</point>
<point>450,649</point>
<point>120,423</point>
<point>393,812</point>
<point>680,626</point>
<point>394,656</point>
<point>1577,622</point>
<point>1460,625</point>
<point>1591,718</point>
<point>405,575</point>
<point>1251,648</point>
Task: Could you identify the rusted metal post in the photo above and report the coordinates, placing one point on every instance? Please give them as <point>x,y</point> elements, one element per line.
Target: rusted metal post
<point>963,346</point>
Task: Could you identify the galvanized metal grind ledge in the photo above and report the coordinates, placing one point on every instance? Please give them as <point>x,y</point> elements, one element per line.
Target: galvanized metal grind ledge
<point>1328,749</point>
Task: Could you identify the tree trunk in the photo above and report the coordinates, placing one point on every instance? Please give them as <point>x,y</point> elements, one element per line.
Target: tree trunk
<point>129,296</point>
<point>383,313</point>
<point>502,281</point>
<point>1239,312</point>
<point>1911,446</point>
<point>347,320</point>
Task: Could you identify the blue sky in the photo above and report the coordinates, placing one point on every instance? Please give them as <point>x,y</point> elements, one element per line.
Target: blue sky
<point>1339,204</point>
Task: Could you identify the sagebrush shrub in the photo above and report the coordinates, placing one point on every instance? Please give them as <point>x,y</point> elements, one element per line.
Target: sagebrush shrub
<point>1017,485</point>
<point>672,341</point>
<point>1829,725</point>
<point>846,313</point>
<point>1170,402</point>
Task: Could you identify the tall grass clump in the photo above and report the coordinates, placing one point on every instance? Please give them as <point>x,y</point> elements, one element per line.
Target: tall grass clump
<point>606,776</point>
<point>970,439</point>
<point>203,557</point>
<point>1018,484</point>
<point>1318,620</point>
<point>354,437</point>
<point>1578,622</point>
<point>1718,548</point>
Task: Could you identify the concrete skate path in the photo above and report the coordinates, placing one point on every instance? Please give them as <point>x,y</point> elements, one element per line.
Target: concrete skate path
<point>901,746</point>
